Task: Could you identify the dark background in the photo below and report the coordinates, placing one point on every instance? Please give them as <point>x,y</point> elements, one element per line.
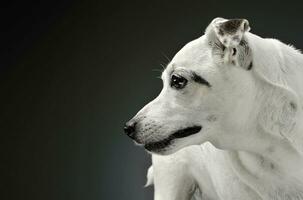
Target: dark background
<point>71,74</point>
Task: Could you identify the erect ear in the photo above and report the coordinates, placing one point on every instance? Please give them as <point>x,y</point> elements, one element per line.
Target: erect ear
<point>228,42</point>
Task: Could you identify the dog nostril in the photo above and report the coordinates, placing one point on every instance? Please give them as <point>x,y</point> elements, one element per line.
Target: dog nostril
<point>130,130</point>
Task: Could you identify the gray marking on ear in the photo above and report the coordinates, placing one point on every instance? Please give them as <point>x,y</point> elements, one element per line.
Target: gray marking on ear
<point>211,118</point>
<point>293,105</point>
<point>250,66</point>
<point>221,32</point>
<point>234,51</point>
<point>236,37</point>
<point>230,32</point>
<point>232,26</point>
<point>229,43</point>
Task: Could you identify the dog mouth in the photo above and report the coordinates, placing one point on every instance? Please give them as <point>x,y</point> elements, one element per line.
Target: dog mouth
<point>162,144</point>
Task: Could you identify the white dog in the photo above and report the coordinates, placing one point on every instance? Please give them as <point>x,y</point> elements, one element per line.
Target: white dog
<point>237,98</point>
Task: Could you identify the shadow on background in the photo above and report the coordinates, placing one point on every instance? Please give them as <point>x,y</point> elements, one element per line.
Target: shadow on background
<point>73,72</point>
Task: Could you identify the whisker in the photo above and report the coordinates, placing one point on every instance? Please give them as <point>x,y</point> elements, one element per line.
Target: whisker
<point>163,66</point>
<point>167,58</point>
<point>157,70</point>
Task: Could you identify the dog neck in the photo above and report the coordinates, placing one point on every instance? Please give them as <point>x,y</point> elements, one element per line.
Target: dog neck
<point>266,177</point>
<point>278,153</point>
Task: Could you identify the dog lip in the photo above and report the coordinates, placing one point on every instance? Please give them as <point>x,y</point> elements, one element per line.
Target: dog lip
<point>187,131</point>
<point>156,146</point>
<point>159,145</point>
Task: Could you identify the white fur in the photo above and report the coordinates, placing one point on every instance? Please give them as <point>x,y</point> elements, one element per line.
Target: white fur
<point>251,143</point>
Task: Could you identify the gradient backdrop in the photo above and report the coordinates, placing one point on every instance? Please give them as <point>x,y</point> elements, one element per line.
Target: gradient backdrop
<point>71,74</point>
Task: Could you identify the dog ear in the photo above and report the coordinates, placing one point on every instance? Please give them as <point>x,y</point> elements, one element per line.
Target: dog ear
<point>279,112</point>
<point>228,42</point>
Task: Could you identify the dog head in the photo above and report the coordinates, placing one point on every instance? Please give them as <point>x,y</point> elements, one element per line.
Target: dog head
<point>210,93</point>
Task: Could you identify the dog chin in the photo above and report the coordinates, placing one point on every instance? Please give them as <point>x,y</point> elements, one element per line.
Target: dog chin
<point>163,152</point>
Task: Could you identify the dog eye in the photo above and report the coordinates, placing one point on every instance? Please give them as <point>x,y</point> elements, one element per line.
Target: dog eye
<point>178,82</point>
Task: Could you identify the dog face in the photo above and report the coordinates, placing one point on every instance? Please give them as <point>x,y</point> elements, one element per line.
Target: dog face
<point>208,94</point>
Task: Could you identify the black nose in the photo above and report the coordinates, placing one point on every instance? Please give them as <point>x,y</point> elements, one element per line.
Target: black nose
<point>130,129</point>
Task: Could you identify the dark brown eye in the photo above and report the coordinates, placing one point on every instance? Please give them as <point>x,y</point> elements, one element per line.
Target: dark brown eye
<point>178,82</point>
